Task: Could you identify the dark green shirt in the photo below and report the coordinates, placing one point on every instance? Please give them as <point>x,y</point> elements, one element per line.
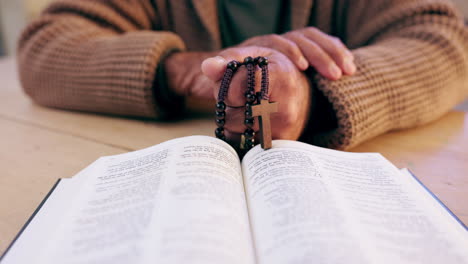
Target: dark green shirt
<point>243,19</point>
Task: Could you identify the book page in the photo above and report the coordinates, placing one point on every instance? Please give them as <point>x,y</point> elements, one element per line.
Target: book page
<point>295,216</point>
<point>119,217</point>
<point>310,205</point>
<point>204,216</point>
<point>31,239</point>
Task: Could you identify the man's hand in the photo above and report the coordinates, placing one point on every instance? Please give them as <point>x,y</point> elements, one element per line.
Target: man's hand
<point>184,75</point>
<point>310,47</point>
<point>304,47</point>
<point>288,86</point>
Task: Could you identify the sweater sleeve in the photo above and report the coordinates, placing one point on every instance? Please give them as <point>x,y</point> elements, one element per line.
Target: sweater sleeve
<point>95,56</point>
<point>412,61</point>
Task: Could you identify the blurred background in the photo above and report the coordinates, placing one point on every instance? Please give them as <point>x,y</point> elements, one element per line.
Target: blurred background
<point>15,14</point>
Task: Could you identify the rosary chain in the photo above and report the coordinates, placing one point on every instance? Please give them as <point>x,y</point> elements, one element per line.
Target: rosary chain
<point>250,96</point>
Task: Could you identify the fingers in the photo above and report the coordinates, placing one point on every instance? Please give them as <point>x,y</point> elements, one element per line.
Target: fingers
<point>327,54</point>
<point>334,47</point>
<point>283,45</point>
<point>289,87</point>
<point>291,50</point>
<point>235,118</point>
<point>305,47</point>
<point>238,87</point>
<point>316,56</point>
<point>214,68</point>
<point>235,128</point>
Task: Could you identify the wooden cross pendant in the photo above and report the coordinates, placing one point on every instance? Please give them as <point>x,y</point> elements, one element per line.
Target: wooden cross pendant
<point>263,111</point>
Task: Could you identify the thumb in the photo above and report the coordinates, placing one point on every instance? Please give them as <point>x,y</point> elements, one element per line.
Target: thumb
<point>214,68</point>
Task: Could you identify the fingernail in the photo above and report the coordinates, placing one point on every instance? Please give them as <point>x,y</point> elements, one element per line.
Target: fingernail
<point>303,63</point>
<point>335,71</point>
<point>220,59</point>
<point>350,54</point>
<point>213,67</point>
<point>349,66</point>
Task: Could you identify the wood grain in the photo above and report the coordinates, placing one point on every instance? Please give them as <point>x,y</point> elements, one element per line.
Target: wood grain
<point>437,153</point>
<point>121,132</point>
<point>32,159</point>
<point>263,111</point>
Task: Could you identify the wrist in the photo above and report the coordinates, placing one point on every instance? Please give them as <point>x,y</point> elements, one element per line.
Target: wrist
<point>183,70</point>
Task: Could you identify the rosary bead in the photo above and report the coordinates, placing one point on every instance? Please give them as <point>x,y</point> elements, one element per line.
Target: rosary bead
<point>220,114</point>
<point>222,137</point>
<point>258,60</point>
<point>220,106</point>
<point>248,60</point>
<point>249,133</point>
<point>259,95</point>
<point>249,143</point>
<point>248,113</point>
<point>249,122</point>
<point>233,65</point>
<point>220,122</point>
<point>219,132</point>
<point>250,97</point>
<point>248,137</point>
<point>262,61</point>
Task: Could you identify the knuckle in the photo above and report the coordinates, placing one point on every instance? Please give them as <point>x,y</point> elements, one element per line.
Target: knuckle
<point>287,35</point>
<point>336,40</point>
<point>311,29</point>
<point>337,48</point>
<point>314,48</point>
<point>294,34</point>
<point>340,53</point>
<point>253,39</point>
<point>280,40</point>
<point>292,49</point>
<point>274,36</point>
<point>338,43</point>
<point>231,53</point>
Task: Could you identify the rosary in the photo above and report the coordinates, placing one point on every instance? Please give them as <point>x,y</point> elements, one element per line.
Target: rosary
<point>257,104</point>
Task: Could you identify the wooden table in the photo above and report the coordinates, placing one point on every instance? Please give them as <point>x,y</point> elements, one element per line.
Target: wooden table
<point>39,145</point>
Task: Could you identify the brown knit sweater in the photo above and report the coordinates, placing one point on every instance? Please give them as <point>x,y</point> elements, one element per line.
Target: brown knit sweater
<point>102,55</point>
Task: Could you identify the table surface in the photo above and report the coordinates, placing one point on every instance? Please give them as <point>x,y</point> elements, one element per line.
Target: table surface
<point>40,145</point>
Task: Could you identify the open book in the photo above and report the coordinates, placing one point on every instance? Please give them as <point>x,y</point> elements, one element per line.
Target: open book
<point>191,200</point>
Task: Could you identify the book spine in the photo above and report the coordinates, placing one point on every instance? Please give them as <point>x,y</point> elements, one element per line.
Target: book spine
<point>30,219</point>
<point>439,201</point>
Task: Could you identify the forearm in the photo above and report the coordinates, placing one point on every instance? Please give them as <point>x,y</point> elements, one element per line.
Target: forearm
<point>410,74</point>
<point>99,64</point>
